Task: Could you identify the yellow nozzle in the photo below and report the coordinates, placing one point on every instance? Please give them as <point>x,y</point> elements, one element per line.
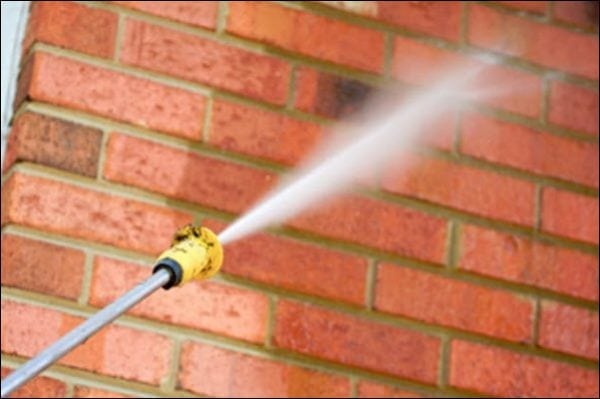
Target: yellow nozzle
<point>195,253</point>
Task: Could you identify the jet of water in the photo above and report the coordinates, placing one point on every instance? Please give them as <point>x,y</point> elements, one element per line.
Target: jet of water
<point>381,132</point>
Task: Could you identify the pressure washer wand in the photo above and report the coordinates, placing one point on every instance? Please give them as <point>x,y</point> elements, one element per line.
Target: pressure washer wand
<point>195,254</point>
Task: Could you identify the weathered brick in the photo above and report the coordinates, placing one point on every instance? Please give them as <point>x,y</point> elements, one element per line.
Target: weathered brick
<point>500,372</point>
<point>261,133</point>
<point>337,337</point>
<point>86,392</point>
<point>530,150</point>
<point>73,26</point>
<point>568,329</point>
<point>581,13</point>
<point>206,306</point>
<point>38,387</point>
<point>569,214</point>
<point>422,64</point>
<point>368,389</point>
<point>573,107</point>
<point>439,300</point>
<point>378,224</point>
<point>41,267</point>
<point>512,258</point>
<point>201,13</point>
<point>186,176</point>
<point>464,188</point>
<point>116,351</point>
<point>302,32</point>
<point>537,7</point>
<point>53,142</point>
<point>542,44</point>
<point>218,372</point>
<point>81,213</point>
<point>205,61</point>
<point>72,84</point>
<point>296,266</point>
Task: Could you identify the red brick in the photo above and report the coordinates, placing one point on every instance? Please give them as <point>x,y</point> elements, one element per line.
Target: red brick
<point>202,13</point>
<point>475,191</point>
<point>41,267</point>
<point>511,258</point>
<point>378,224</point>
<point>452,303</point>
<point>114,95</point>
<point>542,44</point>
<point>186,176</point>
<point>296,266</point>
<point>573,107</point>
<point>38,387</point>
<point>207,306</point>
<point>368,389</point>
<point>253,131</point>
<point>494,85</point>
<point>53,142</point>
<point>569,214</point>
<point>218,372</point>
<point>86,392</point>
<point>503,373</point>
<point>538,7</point>
<point>116,351</point>
<point>354,342</point>
<point>74,26</point>
<point>581,13</point>
<point>568,329</point>
<point>303,33</point>
<point>530,150</point>
<point>81,213</point>
<point>205,61</point>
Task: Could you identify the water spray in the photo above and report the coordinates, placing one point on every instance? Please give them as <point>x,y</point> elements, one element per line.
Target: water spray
<point>195,254</point>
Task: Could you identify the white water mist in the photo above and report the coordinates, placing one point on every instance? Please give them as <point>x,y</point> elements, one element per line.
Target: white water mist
<point>379,134</point>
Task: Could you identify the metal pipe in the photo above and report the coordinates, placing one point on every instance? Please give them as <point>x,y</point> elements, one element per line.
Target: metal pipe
<point>82,332</point>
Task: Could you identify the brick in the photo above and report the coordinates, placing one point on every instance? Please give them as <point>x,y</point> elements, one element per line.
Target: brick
<point>261,133</point>
<point>329,95</point>
<point>568,329</point>
<point>114,95</point>
<point>73,26</point>
<point>218,372</point>
<point>573,107</point>
<point>542,44</point>
<point>503,373</point>
<point>537,7</point>
<point>479,192</point>
<point>494,85</point>
<point>81,213</point>
<point>569,214</point>
<point>516,259</point>
<point>580,13</point>
<point>439,300</point>
<point>378,224</point>
<point>206,306</point>
<point>353,342</point>
<point>41,267</point>
<point>205,61</point>
<point>86,392</point>
<point>202,14</point>
<point>185,176</point>
<point>53,142</point>
<point>115,351</point>
<point>38,387</point>
<point>302,32</point>
<point>368,389</point>
<point>530,150</point>
<point>296,266</point>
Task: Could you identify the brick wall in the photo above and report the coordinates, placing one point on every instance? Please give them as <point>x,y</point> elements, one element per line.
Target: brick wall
<point>474,273</point>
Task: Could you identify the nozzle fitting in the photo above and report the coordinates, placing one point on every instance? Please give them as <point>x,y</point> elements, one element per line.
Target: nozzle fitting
<point>195,253</point>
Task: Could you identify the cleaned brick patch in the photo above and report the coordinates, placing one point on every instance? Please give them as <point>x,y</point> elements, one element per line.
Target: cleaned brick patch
<point>573,107</point>
<point>569,214</point>
<point>202,13</point>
